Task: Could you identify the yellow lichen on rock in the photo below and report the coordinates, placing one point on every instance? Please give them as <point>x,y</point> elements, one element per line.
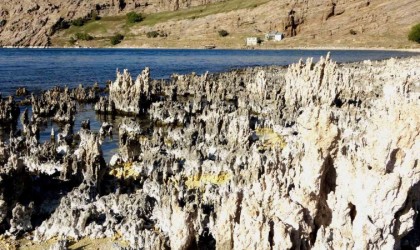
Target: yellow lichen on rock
<point>270,139</point>
<point>198,181</point>
<point>169,143</point>
<point>6,243</point>
<point>126,170</point>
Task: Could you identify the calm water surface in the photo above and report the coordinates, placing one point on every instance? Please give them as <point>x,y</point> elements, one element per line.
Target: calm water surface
<point>39,69</point>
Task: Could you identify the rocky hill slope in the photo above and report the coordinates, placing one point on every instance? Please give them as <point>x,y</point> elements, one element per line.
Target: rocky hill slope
<point>33,22</point>
<point>354,23</point>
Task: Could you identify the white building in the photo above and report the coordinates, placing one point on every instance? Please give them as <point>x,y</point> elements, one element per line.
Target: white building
<point>275,36</point>
<point>252,41</point>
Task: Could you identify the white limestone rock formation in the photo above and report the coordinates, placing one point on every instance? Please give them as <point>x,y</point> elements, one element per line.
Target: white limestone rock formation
<point>313,156</point>
<point>128,96</point>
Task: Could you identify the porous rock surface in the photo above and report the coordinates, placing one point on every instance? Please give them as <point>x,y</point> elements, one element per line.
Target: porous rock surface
<point>127,96</point>
<point>313,156</point>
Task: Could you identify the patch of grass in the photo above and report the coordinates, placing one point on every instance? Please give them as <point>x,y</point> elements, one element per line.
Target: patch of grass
<point>83,36</point>
<point>98,27</point>
<point>109,25</point>
<point>202,11</point>
<point>78,22</point>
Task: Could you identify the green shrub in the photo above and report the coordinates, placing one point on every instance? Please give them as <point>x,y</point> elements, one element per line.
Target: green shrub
<point>95,16</point>
<point>414,34</point>
<point>116,39</point>
<point>78,22</point>
<point>2,23</point>
<point>223,33</point>
<point>83,36</point>
<point>152,34</point>
<point>353,32</point>
<point>72,40</point>
<point>133,17</point>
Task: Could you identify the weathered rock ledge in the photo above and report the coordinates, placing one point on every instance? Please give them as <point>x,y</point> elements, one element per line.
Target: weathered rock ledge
<point>313,156</point>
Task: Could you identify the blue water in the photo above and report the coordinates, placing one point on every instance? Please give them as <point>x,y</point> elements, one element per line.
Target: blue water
<point>39,69</point>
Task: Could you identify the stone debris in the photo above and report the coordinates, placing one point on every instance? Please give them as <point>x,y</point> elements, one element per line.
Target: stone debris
<point>313,156</point>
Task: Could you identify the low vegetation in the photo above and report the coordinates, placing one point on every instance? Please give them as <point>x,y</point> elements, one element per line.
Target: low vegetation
<point>78,22</point>
<point>83,36</point>
<point>2,23</point>
<point>95,16</point>
<point>154,34</point>
<point>116,39</point>
<point>414,34</point>
<point>72,41</point>
<point>133,17</point>
<point>223,33</point>
<point>202,11</point>
<point>62,25</point>
<point>121,24</point>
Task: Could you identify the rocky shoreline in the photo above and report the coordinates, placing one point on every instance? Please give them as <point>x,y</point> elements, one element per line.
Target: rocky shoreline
<point>310,156</point>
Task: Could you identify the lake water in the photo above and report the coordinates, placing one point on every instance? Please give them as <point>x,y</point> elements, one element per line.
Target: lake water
<point>40,69</point>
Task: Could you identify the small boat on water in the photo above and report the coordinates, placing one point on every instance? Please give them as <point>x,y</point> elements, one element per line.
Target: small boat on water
<point>211,46</point>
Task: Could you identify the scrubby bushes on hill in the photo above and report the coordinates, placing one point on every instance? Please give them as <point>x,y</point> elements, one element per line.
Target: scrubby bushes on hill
<point>83,20</point>
<point>78,22</point>
<point>83,36</point>
<point>72,41</point>
<point>95,16</point>
<point>2,23</point>
<point>223,33</point>
<point>133,17</point>
<point>414,34</point>
<point>116,39</point>
<point>154,34</point>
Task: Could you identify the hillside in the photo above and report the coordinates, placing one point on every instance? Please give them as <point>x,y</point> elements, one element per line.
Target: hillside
<point>194,24</point>
<point>34,22</point>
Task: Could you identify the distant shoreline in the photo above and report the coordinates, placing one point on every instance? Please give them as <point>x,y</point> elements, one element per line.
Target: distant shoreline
<point>415,50</point>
